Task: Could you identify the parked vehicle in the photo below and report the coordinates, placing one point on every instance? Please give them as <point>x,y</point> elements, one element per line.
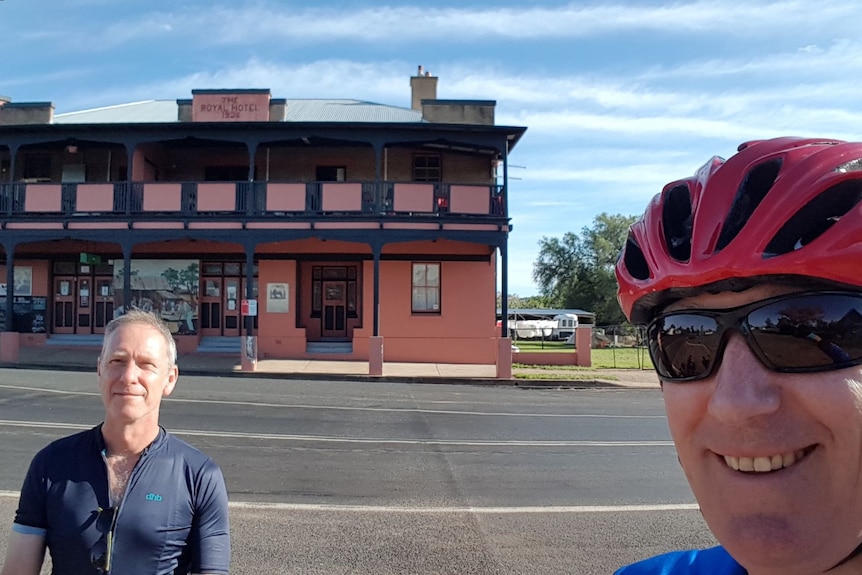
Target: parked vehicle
<point>566,324</point>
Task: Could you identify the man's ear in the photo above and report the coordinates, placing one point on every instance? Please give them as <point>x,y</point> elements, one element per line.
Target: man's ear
<point>99,365</point>
<point>171,382</point>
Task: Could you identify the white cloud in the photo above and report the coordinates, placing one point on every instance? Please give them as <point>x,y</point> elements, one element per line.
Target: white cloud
<point>619,98</point>
<point>252,23</point>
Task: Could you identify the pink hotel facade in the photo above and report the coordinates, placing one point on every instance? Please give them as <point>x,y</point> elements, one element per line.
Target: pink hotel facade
<point>268,227</point>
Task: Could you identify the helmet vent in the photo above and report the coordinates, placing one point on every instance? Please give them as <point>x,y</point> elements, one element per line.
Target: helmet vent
<point>635,261</point>
<point>853,166</point>
<point>757,184</point>
<point>676,218</point>
<point>815,217</point>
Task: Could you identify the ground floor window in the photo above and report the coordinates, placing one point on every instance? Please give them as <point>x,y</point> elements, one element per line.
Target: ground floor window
<point>426,288</point>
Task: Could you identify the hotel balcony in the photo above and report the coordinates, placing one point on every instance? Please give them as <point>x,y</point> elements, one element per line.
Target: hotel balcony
<point>246,205</point>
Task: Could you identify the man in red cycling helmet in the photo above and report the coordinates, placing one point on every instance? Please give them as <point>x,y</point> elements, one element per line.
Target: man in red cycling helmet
<point>749,278</point>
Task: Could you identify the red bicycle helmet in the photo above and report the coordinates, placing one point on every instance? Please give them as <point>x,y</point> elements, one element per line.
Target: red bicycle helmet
<point>787,208</point>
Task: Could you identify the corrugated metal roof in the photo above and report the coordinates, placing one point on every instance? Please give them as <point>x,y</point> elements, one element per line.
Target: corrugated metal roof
<point>543,313</point>
<point>347,111</point>
<point>151,111</point>
<point>306,110</point>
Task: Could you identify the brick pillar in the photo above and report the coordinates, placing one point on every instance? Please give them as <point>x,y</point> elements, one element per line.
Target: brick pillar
<point>375,355</point>
<point>9,346</point>
<point>504,358</point>
<point>584,345</point>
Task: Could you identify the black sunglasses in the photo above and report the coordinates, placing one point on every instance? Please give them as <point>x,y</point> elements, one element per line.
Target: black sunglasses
<point>102,550</point>
<point>793,333</point>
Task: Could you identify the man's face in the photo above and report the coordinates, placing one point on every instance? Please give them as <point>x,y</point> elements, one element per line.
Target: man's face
<point>804,516</point>
<point>134,373</point>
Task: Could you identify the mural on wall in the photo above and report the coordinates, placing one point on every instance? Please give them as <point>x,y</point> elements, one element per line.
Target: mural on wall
<point>167,288</point>
<point>23,277</point>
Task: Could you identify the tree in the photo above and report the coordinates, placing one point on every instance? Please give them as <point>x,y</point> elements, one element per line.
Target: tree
<point>514,301</point>
<point>577,271</point>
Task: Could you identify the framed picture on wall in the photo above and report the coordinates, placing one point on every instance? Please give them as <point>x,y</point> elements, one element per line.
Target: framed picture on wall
<point>277,298</point>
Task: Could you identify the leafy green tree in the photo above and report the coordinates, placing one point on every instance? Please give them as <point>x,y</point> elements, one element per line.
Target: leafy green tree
<point>577,271</point>
<point>515,301</point>
<point>535,302</point>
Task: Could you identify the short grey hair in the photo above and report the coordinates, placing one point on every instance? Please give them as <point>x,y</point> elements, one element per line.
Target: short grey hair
<point>146,318</point>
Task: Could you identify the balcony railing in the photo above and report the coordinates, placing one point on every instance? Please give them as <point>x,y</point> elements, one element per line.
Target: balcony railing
<point>243,201</point>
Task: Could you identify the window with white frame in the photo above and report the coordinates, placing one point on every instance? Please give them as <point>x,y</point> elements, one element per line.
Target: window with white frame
<point>426,288</point>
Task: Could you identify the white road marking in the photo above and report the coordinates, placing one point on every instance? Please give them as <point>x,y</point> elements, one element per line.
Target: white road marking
<point>374,440</point>
<point>477,510</point>
<point>349,408</point>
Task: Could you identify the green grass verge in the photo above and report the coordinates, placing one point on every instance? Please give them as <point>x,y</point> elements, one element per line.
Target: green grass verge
<point>570,376</point>
<point>539,346</point>
<point>621,358</point>
<point>607,358</point>
<point>553,367</point>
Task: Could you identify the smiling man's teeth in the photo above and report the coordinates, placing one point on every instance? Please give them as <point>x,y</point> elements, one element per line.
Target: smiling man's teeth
<point>763,464</point>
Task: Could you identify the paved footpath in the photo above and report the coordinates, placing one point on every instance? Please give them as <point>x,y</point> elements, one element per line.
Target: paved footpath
<point>216,364</point>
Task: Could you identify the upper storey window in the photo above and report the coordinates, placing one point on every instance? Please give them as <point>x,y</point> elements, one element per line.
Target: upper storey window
<point>37,167</point>
<point>426,168</point>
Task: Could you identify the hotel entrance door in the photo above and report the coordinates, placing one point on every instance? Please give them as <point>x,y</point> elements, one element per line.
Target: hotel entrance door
<point>83,304</point>
<point>334,309</point>
<point>222,291</point>
<point>64,304</point>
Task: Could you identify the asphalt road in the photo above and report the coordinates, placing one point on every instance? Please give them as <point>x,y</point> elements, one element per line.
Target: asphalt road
<point>376,477</point>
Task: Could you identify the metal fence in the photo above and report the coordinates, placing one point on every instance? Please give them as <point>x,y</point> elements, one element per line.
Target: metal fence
<point>620,346</point>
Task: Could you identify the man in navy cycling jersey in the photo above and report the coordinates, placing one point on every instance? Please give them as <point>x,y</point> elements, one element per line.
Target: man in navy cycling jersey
<point>126,496</point>
<point>748,277</point>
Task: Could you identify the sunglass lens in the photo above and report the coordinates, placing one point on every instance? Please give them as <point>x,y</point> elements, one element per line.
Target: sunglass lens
<point>684,345</point>
<point>809,333</point>
<point>99,554</point>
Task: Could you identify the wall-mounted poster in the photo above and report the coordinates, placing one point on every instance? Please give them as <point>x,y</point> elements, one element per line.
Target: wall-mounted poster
<point>29,314</point>
<point>276,298</point>
<point>167,288</point>
<point>23,278</point>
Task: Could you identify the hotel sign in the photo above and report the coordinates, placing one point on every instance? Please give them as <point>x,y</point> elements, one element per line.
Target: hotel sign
<point>223,107</point>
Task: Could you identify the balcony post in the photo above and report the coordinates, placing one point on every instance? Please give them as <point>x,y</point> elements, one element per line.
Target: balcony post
<point>504,288</point>
<point>504,345</point>
<point>252,152</point>
<point>127,276</point>
<point>379,193</point>
<point>251,189</point>
<point>505,190</point>
<point>130,155</point>
<point>248,361</point>
<point>375,351</point>
<point>10,285</point>
<point>13,153</point>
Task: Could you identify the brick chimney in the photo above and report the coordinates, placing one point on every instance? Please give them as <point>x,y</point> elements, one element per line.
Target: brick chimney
<point>12,114</point>
<point>423,86</point>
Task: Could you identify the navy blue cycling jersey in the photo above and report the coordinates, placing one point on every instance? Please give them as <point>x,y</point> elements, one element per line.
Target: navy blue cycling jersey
<point>173,518</point>
<point>713,561</point>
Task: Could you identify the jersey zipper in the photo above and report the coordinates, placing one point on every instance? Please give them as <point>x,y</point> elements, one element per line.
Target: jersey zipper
<point>132,476</point>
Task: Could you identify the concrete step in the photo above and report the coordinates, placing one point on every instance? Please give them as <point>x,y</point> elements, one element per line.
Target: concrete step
<point>219,344</point>
<point>71,339</point>
<point>339,347</point>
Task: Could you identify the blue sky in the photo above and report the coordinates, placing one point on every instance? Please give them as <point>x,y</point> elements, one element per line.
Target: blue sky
<point>619,97</point>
